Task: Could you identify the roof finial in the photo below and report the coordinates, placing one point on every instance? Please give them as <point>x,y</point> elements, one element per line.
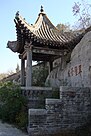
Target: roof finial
<point>41,10</point>
<point>17,13</point>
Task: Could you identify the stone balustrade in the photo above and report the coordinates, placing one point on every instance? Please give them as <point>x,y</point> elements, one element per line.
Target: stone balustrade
<point>36,96</point>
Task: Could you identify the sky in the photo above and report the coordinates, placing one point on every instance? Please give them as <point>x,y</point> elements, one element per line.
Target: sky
<point>58,11</point>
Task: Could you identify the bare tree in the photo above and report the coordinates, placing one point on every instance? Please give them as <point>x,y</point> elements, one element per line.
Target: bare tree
<point>82,12</point>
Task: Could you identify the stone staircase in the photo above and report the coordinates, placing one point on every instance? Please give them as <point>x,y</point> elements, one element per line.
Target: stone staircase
<point>70,111</point>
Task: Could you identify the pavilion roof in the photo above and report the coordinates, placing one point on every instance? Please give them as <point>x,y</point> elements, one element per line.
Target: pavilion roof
<point>42,34</point>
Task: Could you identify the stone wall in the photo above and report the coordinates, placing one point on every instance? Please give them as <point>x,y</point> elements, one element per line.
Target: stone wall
<point>77,69</point>
<point>71,111</point>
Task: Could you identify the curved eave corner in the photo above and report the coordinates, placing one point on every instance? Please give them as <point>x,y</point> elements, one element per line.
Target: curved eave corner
<point>13,46</point>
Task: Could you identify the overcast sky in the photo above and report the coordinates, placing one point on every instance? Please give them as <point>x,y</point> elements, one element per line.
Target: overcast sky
<point>58,11</point>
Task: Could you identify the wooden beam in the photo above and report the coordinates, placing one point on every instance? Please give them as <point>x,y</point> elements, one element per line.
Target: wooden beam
<point>47,51</point>
<point>44,54</point>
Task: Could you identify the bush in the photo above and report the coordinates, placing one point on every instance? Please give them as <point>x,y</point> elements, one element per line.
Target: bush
<point>39,76</point>
<point>13,106</point>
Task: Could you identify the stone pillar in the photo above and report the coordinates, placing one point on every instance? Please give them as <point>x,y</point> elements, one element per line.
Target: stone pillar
<point>28,48</point>
<point>50,66</point>
<point>22,72</point>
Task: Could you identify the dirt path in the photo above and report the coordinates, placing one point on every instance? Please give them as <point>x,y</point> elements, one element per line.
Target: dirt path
<point>8,130</point>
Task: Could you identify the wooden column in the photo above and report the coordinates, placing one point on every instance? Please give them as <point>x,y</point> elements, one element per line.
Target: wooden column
<point>28,48</point>
<point>50,66</point>
<point>62,61</point>
<point>22,72</point>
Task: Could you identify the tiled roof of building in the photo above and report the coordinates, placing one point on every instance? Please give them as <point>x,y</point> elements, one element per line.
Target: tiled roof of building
<point>42,34</point>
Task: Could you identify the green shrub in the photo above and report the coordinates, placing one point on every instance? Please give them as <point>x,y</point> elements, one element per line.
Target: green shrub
<point>13,106</point>
<point>39,76</point>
